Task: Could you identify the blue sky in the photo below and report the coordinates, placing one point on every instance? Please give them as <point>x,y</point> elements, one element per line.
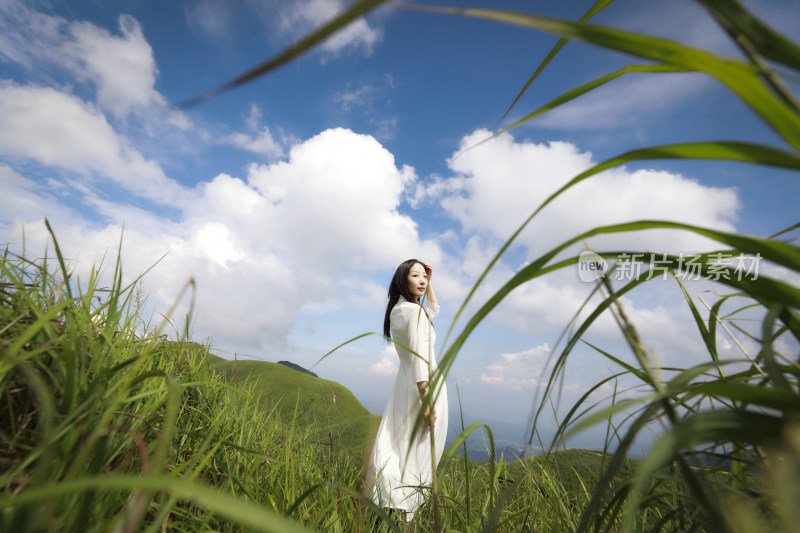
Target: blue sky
<point>292,199</point>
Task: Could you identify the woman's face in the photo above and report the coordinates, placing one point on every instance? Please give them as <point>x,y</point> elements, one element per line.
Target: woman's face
<point>417,280</point>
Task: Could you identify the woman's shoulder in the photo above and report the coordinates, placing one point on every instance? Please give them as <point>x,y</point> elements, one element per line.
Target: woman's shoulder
<point>404,307</point>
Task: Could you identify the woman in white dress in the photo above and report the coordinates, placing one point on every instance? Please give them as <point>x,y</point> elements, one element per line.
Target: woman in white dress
<point>400,470</point>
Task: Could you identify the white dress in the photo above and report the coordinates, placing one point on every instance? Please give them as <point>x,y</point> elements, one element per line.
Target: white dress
<point>394,475</point>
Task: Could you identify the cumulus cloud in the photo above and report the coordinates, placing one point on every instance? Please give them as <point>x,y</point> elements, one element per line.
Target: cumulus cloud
<point>495,186</point>
<point>519,370</point>
<point>121,68</point>
<point>335,201</point>
<point>260,249</point>
<point>388,363</point>
<point>262,143</point>
<point>434,189</point>
<point>59,130</point>
<point>514,177</point>
<point>260,139</point>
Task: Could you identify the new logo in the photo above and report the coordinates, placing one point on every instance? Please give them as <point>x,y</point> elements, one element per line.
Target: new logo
<point>591,266</point>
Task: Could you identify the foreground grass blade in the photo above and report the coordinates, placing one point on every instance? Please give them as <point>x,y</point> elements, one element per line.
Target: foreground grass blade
<point>765,40</point>
<point>247,513</point>
<point>293,52</point>
<point>581,90</point>
<point>758,41</point>
<point>452,450</point>
<point>595,9</point>
<point>781,253</point>
<point>739,77</point>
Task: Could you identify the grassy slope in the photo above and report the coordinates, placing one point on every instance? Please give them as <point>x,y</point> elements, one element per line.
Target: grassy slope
<point>103,430</point>
<point>343,421</point>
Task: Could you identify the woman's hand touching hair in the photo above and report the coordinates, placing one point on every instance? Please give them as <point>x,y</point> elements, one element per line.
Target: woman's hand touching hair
<point>428,271</point>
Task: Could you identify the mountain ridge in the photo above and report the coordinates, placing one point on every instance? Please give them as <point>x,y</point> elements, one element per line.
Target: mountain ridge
<point>347,423</point>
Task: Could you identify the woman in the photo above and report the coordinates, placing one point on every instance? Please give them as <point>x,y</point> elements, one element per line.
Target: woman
<point>401,468</point>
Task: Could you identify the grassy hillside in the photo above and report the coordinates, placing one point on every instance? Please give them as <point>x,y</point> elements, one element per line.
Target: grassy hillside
<point>104,429</point>
<point>339,418</point>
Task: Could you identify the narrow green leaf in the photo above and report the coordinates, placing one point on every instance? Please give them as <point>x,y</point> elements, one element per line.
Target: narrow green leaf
<point>452,450</point>
<point>239,511</point>
<point>703,428</point>
<point>581,90</point>
<point>773,398</point>
<point>768,42</point>
<point>292,52</point>
<point>595,9</point>
<point>740,77</point>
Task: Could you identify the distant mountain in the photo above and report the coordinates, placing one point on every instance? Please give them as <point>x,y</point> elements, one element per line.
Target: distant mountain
<point>509,438</point>
<point>297,367</point>
<point>338,415</point>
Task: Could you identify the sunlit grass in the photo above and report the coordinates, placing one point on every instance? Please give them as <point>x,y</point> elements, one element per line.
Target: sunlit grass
<point>106,427</point>
<point>109,427</point>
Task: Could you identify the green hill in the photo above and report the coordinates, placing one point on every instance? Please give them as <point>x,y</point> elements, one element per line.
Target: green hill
<point>344,422</point>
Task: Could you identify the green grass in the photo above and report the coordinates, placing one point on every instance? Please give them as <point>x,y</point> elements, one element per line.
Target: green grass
<point>341,419</point>
<point>108,427</point>
<point>105,429</point>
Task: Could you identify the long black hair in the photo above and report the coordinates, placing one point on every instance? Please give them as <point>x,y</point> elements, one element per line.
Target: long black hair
<point>398,287</point>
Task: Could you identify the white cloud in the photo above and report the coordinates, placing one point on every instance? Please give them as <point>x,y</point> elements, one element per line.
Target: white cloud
<point>645,100</point>
<point>296,234</point>
<point>371,99</point>
<point>519,370</point>
<point>497,185</point>
<point>253,119</point>
<point>260,140</point>
<point>633,99</point>
<point>514,178</point>
<point>689,23</point>
<point>218,244</point>
<point>262,143</point>
<point>351,98</point>
<point>301,17</point>
<point>388,363</point>
<point>385,128</point>
<point>336,201</point>
<point>434,189</point>
<point>211,17</point>
<point>19,198</point>
<point>61,131</point>
<point>121,68</point>
<point>366,94</point>
<point>27,36</point>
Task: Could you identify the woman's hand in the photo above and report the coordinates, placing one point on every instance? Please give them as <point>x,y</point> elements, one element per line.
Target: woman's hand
<point>430,412</point>
<point>428,271</point>
<point>430,416</point>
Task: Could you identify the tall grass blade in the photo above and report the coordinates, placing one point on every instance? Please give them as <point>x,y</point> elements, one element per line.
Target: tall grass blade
<point>305,44</point>
<point>595,9</point>
<point>740,77</point>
